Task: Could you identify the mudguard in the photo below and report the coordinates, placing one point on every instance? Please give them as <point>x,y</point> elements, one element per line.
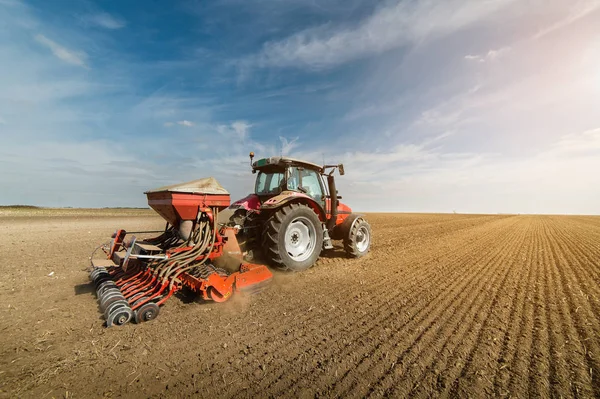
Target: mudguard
<point>250,202</point>
<point>293,196</point>
<point>341,230</point>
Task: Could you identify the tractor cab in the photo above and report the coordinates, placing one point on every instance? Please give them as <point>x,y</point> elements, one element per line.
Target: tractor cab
<point>279,174</point>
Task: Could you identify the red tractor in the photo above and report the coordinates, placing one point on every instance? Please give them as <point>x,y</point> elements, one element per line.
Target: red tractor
<point>289,219</point>
<point>294,213</point>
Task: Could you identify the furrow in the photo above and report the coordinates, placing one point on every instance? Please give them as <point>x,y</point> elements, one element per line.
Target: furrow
<point>475,373</point>
<point>539,361</point>
<point>582,314</point>
<point>521,352</point>
<point>516,321</point>
<point>442,373</point>
<point>421,330</point>
<point>586,249</point>
<point>577,250</point>
<point>561,330</point>
<point>371,322</point>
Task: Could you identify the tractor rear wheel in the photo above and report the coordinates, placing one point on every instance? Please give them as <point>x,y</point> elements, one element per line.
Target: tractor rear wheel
<point>293,237</point>
<point>358,240</point>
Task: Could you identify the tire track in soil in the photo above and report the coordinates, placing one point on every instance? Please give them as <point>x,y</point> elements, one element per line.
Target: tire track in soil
<point>324,320</point>
<point>383,310</point>
<point>484,354</point>
<point>580,311</point>
<point>458,340</point>
<point>564,369</point>
<point>348,381</point>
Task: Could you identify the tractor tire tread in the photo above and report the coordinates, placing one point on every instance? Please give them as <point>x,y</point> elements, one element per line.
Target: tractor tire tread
<point>270,237</point>
<point>350,240</point>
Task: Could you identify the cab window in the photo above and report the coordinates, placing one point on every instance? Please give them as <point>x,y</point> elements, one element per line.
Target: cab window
<point>310,182</point>
<point>268,183</point>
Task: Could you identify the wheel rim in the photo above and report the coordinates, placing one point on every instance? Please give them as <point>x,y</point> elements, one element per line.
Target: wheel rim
<point>362,239</point>
<point>119,316</point>
<point>300,237</point>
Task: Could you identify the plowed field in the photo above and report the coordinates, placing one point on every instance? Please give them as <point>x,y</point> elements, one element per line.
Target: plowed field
<point>444,305</point>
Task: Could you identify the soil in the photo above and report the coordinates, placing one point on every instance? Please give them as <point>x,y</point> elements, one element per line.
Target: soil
<point>444,305</point>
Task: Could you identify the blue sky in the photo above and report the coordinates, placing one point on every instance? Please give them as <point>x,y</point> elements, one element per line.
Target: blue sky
<point>468,106</point>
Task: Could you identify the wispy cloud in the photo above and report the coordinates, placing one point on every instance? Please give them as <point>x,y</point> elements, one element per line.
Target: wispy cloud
<point>491,55</point>
<point>392,26</point>
<point>582,144</point>
<point>242,128</point>
<point>578,10</point>
<point>287,145</point>
<point>104,20</point>
<point>184,123</point>
<point>72,57</point>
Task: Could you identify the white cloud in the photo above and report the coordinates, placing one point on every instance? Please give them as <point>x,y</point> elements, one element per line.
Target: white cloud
<point>562,178</point>
<point>104,20</point>
<point>491,55</point>
<point>70,56</point>
<point>242,128</point>
<point>184,123</point>
<point>391,26</point>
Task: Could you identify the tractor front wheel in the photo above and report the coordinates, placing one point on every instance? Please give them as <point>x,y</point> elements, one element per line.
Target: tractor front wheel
<point>358,240</point>
<point>293,238</point>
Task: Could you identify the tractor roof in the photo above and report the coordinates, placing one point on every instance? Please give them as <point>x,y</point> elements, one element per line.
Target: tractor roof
<point>274,162</point>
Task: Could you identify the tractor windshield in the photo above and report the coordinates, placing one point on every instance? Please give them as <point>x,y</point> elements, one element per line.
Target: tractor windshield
<point>269,183</point>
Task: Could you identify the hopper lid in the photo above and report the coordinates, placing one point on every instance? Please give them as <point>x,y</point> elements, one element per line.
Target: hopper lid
<point>208,185</point>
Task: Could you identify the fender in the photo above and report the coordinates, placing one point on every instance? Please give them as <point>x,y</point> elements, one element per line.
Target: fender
<point>287,197</point>
<point>341,230</point>
<point>249,202</point>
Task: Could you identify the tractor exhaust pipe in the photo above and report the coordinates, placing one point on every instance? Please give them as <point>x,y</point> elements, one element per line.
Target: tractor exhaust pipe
<point>334,202</point>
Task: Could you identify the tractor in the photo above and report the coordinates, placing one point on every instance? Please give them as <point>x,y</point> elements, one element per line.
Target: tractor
<point>209,246</point>
<point>294,214</point>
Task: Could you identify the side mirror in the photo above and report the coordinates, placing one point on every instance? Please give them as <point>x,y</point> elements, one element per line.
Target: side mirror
<point>341,169</point>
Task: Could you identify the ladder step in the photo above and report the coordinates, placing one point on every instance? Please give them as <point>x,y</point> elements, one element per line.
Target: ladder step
<point>118,257</point>
<point>326,240</point>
